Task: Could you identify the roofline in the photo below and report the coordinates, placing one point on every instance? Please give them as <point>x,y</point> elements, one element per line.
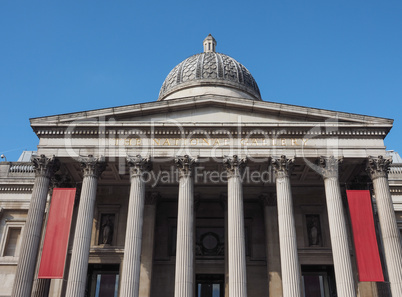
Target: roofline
<point>199,100</point>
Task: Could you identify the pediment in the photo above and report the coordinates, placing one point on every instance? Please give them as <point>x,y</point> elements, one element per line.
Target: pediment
<point>212,110</point>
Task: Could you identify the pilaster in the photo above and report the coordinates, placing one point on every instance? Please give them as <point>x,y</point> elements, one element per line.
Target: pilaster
<point>147,247</point>
<point>269,204</point>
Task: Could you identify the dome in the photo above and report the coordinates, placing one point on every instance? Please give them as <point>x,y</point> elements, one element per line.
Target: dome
<point>209,73</point>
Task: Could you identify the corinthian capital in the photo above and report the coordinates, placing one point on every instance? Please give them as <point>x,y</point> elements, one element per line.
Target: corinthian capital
<point>329,166</point>
<point>45,167</point>
<point>185,164</point>
<point>282,166</point>
<point>92,166</point>
<point>378,167</point>
<point>235,165</point>
<point>138,165</point>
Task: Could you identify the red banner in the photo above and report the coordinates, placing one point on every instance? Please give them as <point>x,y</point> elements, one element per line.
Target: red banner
<point>57,233</point>
<point>368,258</point>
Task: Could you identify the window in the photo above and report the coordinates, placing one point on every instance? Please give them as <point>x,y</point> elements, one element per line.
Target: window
<point>12,239</point>
<point>12,243</point>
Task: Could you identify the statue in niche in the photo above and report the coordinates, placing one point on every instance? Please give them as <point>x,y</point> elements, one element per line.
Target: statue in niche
<point>314,230</point>
<point>106,232</point>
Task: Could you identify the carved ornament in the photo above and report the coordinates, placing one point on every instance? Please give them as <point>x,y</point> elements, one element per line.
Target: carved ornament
<point>282,166</point>
<point>329,166</point>
<point>378,167</point>
<point>138,165</point>
<point>235,165</point>
<point>92,166</point>
<point>185,164</point>
<point>44,166</point>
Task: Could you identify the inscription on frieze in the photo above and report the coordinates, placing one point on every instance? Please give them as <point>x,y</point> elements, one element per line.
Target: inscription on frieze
<point>209,142</point>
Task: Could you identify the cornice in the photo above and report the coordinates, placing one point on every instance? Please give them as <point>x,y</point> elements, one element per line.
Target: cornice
<point>255,130</point>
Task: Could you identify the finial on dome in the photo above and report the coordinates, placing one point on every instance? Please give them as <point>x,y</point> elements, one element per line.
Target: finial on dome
<point>209,44</point>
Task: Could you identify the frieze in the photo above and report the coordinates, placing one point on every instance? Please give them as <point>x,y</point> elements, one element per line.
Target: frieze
<point>208,142</point>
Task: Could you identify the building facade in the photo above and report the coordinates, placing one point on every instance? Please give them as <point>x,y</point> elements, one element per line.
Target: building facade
<point>208,191</point>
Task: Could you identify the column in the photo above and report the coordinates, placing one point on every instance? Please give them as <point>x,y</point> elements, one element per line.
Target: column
<point>345,285</point>
<point>41,286</point>
<point>236,238</point>
<point>44,169</point>
<point>147,247</point>
<point>272,244</point>
<point>92,169</point>
<point>184,274</point>
<point>291,279</point>
<point>130,276</point>
<point>378,171</point>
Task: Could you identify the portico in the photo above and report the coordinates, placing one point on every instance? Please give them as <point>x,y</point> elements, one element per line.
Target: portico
<point>210,191</point>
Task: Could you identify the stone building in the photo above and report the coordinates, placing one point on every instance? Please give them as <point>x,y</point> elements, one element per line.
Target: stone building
<point>207,191</point>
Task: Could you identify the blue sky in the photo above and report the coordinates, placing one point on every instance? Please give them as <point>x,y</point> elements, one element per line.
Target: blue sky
<point>66,56</point>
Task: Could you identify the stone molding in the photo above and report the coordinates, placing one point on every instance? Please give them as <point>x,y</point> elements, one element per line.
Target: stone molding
<point>185,165</point>
<point>16,188</point>
<point>208,100</point>
<point>378,167</point>
<point>92,166</point>
<point>329,166</point>
<point>44,166</point>
<point>234,165</point>
<point>266,129</point>
<point>138,165</point>
<point>282,166</point>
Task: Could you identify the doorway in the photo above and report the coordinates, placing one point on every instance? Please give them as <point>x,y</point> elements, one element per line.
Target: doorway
<point>103,280</point>
<point>210,285</point>
<point>318,281</point>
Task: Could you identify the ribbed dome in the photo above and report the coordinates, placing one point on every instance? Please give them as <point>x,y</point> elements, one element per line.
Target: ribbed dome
<point>210,69</point>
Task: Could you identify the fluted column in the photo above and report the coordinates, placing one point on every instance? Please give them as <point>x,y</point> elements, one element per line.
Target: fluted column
<point>41,286</point>
<point>291,280</point>
<point>44,168</point>
<point>378,171</point>
<point>130,276</point>
<point>269,204</point>
<point>184,274</point>
<point>92,168</point>
<point>345,285</point>
<point>236,236</point>
<point>147,246</point>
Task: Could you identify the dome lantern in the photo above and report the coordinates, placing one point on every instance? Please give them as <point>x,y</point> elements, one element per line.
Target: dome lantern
<point>209,44</point>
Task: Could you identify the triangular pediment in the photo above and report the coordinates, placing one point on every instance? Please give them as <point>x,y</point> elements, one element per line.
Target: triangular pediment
<point>212,109</point>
